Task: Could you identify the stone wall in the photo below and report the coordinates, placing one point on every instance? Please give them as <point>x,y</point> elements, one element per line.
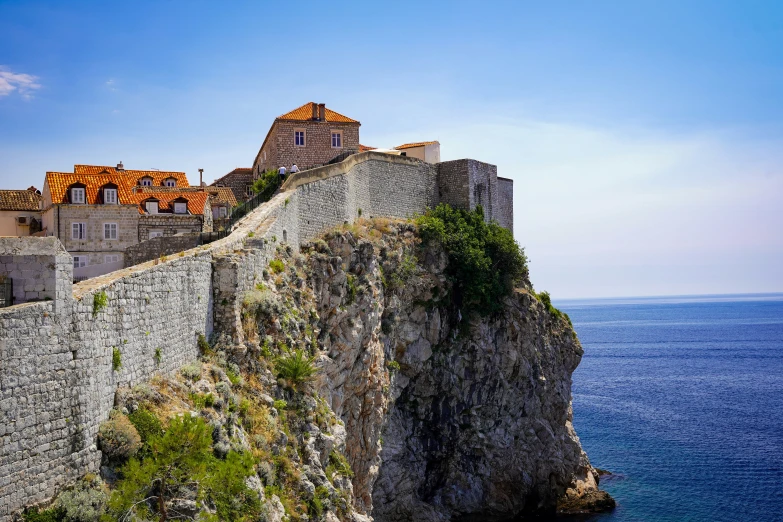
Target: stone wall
<point>171,225</point>
<point>160,246</point>
<point>57,383</point>
<point>505,211</point>
<point>39,267</point>
<point>238,180</point>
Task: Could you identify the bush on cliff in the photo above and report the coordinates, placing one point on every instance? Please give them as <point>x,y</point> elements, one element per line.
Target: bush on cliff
<point>296,368</point>
<point>485,262</point>
<point>118,437</point>
<point>181,464</point>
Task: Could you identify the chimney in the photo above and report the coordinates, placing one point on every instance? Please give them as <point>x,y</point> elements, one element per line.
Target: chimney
<point>119,166</point>
<point>201,178</point>
<point>315,110</point>
<point>322,111</point>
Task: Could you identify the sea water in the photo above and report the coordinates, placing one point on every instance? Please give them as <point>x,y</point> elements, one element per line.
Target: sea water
<point>682,400</point>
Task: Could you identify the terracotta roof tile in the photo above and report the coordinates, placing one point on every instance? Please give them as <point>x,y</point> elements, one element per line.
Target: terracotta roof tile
<point>365,148</point>
<point>196,200</point>
<point>158,176</point>
<point>95,177</point>
<point>416,144</point>
<point>19,200</point>
<point>305,113</point>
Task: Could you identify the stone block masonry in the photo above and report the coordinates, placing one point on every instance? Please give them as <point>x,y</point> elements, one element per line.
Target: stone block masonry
<point>57,383</point>
<point>38,267</point>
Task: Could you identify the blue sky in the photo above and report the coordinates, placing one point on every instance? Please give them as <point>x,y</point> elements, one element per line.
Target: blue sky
<point>645,138</point>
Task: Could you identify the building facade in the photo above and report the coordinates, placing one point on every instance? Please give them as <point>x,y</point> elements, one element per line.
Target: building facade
<point>98,212</point>
<point>307,136</point>
<point>20,212</point>
<point>428,151</point>
<point>239,181</point>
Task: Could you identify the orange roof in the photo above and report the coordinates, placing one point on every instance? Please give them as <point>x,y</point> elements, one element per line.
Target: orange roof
<point>19,200</point>
<point>220,194</point>
<point>365,148</point>
<point>417,144</point>
<point>305,113</point>
<point>59,182</point>
<point>196,200</point>
<point>158,176</point>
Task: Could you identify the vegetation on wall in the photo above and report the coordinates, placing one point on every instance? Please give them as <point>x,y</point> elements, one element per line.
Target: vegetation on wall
<point>267,184</point>
<point>485,262</point>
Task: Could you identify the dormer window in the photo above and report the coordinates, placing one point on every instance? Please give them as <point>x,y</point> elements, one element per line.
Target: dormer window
<point>110,196</point>
<point>152,207</point>
<point>146,182</point>
<point>180,208</point>
<point>170,182</point>
<point>77,195</point>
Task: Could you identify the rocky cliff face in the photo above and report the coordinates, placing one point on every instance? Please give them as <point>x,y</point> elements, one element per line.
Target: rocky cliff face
<point>446,417</point>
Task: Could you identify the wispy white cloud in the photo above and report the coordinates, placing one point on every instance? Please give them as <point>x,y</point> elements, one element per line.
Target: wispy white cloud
<point>111,84</point>
<point>22,84</point>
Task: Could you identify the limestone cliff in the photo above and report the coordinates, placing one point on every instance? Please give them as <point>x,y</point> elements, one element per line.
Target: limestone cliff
<point>445,418</point>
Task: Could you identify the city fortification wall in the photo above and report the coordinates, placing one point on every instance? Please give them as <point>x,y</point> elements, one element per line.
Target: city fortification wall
<point>58,372</point>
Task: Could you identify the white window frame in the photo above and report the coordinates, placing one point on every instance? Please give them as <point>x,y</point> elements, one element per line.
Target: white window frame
<point>178,205</point>
<point>339,135</point>
<point>155,233</point>
<point>79,231</point>
<point>82,196</point>
<point>155,205</point>
<point>146,182</point>
<point>110,196</point>
<point>80,261</point>
<point>170,182</point>
<point>111,231</point>
<point>111,258</point>
<point>296,137</point>
<point>222,212</point>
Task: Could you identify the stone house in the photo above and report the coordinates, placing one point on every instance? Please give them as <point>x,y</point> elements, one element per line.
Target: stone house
<point>20,212</point>
<point>307,136</point>
<point>97,212</point>
<point>428,151</point>
<point>239,181</point>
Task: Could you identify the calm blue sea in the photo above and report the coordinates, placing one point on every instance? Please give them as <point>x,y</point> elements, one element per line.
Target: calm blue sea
<point>682,399</point>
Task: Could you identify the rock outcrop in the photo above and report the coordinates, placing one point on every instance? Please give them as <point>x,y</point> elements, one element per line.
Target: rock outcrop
<point>446,417</point>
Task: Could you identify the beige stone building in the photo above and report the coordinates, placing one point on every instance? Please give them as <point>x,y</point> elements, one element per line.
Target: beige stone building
<point>307,136</point>
<point>97,212</point>
<point>428,151</point>
<point>20,212</point>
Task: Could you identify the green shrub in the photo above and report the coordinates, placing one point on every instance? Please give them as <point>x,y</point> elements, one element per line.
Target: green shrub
<point>262,303</point>
<point>203,345</point>
<point>485,262</point>
<point>393,366</point>
<point>267,184</point>
<point>280,405</point>
<point>352,290</point>
<point>85,502</point>
<point>276,265</point>
<point>546,300</point>
<point>99,302</point>
<point>146,423</point>
<point>191,371</point>
<point>180,459</point>
<point>118,437</point>
<point>158,355</point>
<point>54,514</point>
<point>339,464</point>
<point>116,359</point>
<point>296,367</point>
<point>202,401</point>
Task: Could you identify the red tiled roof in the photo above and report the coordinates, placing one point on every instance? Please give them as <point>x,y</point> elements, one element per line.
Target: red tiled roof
<point>220,194</point>
<point>95,177</point>
<point>365,148</point>
<point>305,113</point>
<point>19,200</point>
<point>196,200</point>
<point>416,144</point>
<point>158,176</point>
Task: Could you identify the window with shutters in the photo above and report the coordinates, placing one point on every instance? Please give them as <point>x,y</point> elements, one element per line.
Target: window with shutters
<point>110,196</point>
<point>110,231</point>
<point>77,196</point>
<point>78,230</point>
<point>180,208</point>
<point>79,261</point>
<point>111,258</point>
